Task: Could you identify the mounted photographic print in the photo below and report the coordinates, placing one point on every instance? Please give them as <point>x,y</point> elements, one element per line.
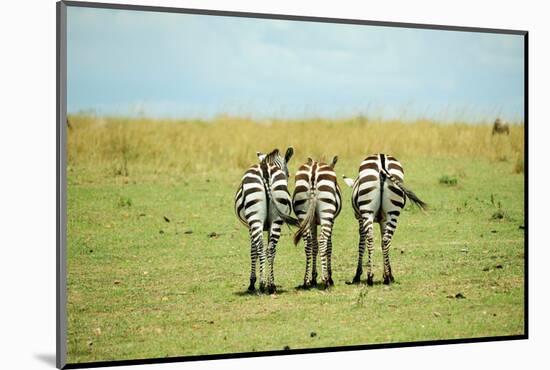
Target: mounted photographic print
<point>235,184</point>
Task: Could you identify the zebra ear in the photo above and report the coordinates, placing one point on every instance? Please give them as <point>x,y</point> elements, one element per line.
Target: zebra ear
<point>348,181</point>
<point>261,156</point>
<point>334,160</point>
<point>289,153</point>
<point>309,160</point>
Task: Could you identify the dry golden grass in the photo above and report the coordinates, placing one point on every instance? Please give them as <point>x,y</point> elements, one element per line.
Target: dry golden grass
<point>121,146</point>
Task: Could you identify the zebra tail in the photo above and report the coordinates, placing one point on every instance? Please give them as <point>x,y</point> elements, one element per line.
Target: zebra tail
<point>413,197</point>
<point>286,218</point>
<point>309,219</point>
<point>408,193</point>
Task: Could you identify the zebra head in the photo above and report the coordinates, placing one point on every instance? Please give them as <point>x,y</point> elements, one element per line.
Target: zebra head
<point>275,158</point>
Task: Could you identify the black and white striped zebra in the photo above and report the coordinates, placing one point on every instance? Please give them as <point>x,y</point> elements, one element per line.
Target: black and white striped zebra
<point>317,202</point>
<point>262,203</point>
<point>378,196</point>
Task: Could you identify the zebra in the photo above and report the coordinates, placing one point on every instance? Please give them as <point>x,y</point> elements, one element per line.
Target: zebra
<point>316,201</point>
<point>378,196</point>
<point>500,127</point>
<point>262,203</point>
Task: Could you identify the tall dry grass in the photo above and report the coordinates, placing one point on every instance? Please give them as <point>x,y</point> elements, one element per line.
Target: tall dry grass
<point>124,146</point>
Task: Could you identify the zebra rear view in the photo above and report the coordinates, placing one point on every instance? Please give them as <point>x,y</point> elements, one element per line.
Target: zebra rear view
<point>262,203</point>
<point>317,202</point>
<point>378,196</point>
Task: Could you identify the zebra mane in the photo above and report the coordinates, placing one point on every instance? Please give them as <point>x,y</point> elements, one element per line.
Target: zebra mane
<point>272,157</point>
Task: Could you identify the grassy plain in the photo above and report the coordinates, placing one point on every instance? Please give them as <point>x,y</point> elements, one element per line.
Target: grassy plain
<point>142,287</point>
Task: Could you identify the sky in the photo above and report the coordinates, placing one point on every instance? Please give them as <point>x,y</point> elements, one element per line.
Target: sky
<point>165,65</point>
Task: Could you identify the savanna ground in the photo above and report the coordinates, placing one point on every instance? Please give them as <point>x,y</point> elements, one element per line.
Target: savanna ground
<point>158,263</point>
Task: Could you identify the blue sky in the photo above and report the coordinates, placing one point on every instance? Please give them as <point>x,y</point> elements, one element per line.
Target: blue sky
<point>123,62</point>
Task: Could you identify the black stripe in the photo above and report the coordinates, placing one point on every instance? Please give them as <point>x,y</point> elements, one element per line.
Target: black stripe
<point>251,180</point>
<point>247,192</point>
<point>326,188</point>
<point>364,202</point>
<point>369,165</point>
<point>252,202</point>
<point>368,178</point>
<point>280,188</point>
<point>396,190</point>
<point>326,176</point>
<point>279,176</point>
<point>302,176</point>
<point>366,191</point>
<point>397,203</point>
<point>284,201</point>
<point>300,189</point>
<point>394,166</point>
<point>328,200</point>
<point>299,202</point>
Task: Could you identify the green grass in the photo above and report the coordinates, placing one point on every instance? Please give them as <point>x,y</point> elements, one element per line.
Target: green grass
<point>142,287</point>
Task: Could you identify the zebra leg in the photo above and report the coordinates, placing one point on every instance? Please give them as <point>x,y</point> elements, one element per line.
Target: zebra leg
<point>329,262</point>
<point>369,237</point>
<point>308,249</point>
<point>261,253</point>
<point>387,235</point>
<point>362,238</point>
<point>253,259</point>
<point>315,252</point>
<point>326,230</point>
<point>274,235</point>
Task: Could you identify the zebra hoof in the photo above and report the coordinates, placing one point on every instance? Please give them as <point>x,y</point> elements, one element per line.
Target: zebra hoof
<point>330,281</point>
<point>251,288</point>
<point>262,287</point>
<point>388,280</point>
<point>370,281</point>
<point>356,279</point>
<point>313,283</point>
<point>271,289</point>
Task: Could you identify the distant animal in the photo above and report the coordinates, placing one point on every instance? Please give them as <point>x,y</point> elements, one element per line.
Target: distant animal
<point>501,127</point>
<point>378,196</point>
<point>317,202</point>
<point>262,203</point>
<point>69,126</point>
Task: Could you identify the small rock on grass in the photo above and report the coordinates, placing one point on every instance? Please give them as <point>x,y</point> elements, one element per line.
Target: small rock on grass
<point>313,334</point>
<point>457,296</point>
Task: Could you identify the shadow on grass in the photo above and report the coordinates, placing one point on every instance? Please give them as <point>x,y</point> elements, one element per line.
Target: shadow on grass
<point>247,293</point>
<point>374,283</point>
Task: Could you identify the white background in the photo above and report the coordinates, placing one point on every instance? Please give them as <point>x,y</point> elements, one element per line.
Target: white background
<point>27,207</point>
